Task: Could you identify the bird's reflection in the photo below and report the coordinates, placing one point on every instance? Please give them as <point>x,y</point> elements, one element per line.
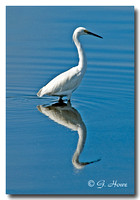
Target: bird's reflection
<point>69,117</point>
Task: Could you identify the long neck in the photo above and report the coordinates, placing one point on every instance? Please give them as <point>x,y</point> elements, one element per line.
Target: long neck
<point>82,65</point>
<point>80,145</point>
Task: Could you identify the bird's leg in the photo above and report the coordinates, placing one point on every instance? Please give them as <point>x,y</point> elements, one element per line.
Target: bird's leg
<point>69,102</point>
<point>60,100</point>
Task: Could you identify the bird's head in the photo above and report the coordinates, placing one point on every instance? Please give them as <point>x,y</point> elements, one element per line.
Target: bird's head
<point>83,31</point>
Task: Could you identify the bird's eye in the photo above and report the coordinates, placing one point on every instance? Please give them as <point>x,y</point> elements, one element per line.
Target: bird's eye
<point>85,31</point>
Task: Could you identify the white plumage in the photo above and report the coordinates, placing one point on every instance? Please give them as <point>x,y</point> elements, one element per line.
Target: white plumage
<point>64,84</point>
<point>70,118</point>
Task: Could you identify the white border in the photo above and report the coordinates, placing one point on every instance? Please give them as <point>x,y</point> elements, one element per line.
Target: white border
<point>3,4</point>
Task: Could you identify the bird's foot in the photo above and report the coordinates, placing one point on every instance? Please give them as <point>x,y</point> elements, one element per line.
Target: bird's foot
<point>60,103</point>
<point>69,102</point>
<point>60,100</point>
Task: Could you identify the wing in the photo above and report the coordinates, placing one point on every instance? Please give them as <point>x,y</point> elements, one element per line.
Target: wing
<point>66,81</point>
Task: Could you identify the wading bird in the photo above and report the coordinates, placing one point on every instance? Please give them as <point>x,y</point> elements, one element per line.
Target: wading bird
<point>69,117</point>
<point>64,84</point>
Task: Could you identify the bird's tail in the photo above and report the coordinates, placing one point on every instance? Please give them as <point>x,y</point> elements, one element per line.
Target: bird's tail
<point>40,94</point>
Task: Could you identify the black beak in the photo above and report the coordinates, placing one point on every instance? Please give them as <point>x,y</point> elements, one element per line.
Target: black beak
<point>90,33</point>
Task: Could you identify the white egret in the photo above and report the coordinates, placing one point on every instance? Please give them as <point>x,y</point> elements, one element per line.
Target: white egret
<point>64,84</point>
<point>69,117</point>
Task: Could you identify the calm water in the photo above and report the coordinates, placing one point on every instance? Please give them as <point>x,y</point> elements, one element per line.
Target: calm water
<point>42,141</point>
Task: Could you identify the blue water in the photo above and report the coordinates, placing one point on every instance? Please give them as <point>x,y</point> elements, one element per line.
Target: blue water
<point>40,148</point>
